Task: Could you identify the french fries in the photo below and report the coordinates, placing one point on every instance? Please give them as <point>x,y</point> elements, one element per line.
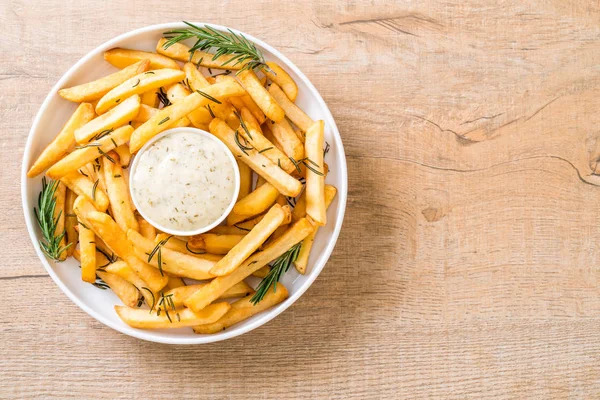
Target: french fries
<point>261,97</point>
<point>284,183</point>
<point>302,260</point>
<point>60,197</point>
<point>172,261</point>
<point>178,318</point>
<point>292,111</point>
<point>124,290</point>
<point>180,52</point>
<point>251,242</point>
<point>118,116</point>
<point>243,309</point>
<point>315,174</point>
<point>197,81</point>
<point>279,76</point>
<point>179,294</point>
<point>118,193</point>
<point>213,243</point>
<point>167,116</point>
<point>147,230</point>
<point>87,251</point>
<point>139,84</point>
<point>245,179</point>
<point>150,98</point>
<point>291,145</point>
<point>86,154</point>
<point>71,222</point>
<point>63,141</point>
<point>254,136</point>
<point>174,282</point>
<point>108,230</point>
<point>96,89</point>
<point>83,186</point>
<point>253,204</point>
<point>219,285</point>
<point>124,271</point>
<point>252,115</point>
<point>124,155</point>
<point>121,58</point>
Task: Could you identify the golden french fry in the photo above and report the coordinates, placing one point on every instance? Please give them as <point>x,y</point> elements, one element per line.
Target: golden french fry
<point>178,92</point>
<point>299,210</point>
<point>247,226</point>
<point>180,52</point>
<point>315,173</point>
<point>118,116</point>
<point>122,58</point>
<point>174,282</point>
<point>145,113</point>
<point>281,200</point>
<point>96,89</point>
<point>283,80</point>
<point>302,259</point>
<point>150,98</point>
<point>83,186</point>
<point>179,294</point>
<point>253,204</point>
<point>292,111</point>
<point>178,318</point>
<point>108,230</point>
<point>87,250</point>
<point>214,244</point>
<point>169,115</point>
<point>90,152</point>
<point>243,309</point>
<point>197,81</point>
<point>118,194</point>
<point>260,181</point>
<point>264,146</point>
<point>182,246</point>
<point>291,145</point>
<point>251,242</point>
<point>147,230</point>
<point>262,272</point>
<point>245,101</point>
<point>124,155</point>
<point>124,271</point>
<point>139,84</point>
<point>245,179</point>
<point>71,222</point>
<point>63,141</point>
<point>173,262</point>
<point>295,234</point>
<point>284,183</point>
<point>124,290</point>
<point>261,96</point>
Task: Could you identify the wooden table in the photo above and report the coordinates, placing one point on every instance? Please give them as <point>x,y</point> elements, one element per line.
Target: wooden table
<point>468,262</point>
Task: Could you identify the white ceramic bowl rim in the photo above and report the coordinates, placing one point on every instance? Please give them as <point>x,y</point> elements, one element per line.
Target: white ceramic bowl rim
<point>210,137</point>
<point>261,318</point>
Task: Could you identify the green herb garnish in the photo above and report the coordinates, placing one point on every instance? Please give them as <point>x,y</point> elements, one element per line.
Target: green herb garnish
<point>278,268</point>
<point>44,214</point>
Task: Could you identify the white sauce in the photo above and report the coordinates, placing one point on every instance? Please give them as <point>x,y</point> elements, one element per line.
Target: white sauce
<point>184,181</point>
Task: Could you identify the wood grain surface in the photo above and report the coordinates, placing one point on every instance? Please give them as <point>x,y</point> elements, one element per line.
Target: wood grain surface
<point>468,264</point>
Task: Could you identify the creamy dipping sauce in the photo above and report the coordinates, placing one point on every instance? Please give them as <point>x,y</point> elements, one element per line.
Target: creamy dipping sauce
<point>184,181</point>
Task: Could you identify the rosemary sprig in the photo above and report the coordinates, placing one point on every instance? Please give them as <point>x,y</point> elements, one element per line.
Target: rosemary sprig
<point>243,124</point>
<point>241,50</point>
<point>164,120</point>
<point>244,146</point>
<point>166,301</point>
<point>208,96</point>
<point>158,251</point>
<point>193,251</point>
<point>163,98</point>
<point>44,214</point>
<point>278,268</point>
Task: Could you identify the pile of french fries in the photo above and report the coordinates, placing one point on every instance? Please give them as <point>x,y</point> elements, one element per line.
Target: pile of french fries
<point>254,114</point>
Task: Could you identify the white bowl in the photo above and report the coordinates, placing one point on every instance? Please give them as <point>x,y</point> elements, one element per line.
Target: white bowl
<point>99,303</point>
<point>236,179</point>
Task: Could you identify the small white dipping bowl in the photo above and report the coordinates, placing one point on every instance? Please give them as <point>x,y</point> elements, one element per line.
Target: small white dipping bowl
<point>138,204</point>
